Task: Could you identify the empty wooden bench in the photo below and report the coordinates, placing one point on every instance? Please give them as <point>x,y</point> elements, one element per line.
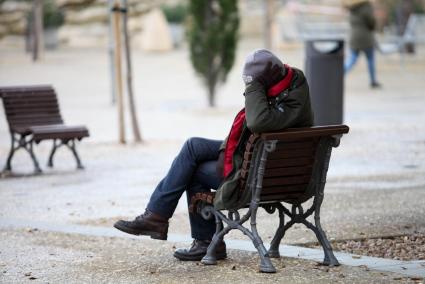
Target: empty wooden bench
<point>285,167</point>
<point>33,115</point>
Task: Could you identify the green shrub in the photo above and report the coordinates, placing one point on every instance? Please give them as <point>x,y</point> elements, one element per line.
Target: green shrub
<point>213,36</point>
<point>52,16</point>
<point>175,14</point>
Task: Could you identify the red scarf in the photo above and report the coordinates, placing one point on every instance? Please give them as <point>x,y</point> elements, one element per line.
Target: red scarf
<point>237,126</point>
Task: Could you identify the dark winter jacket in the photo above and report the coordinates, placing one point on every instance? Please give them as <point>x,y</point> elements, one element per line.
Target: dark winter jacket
<point>291,109</point>
<point>362,23</point>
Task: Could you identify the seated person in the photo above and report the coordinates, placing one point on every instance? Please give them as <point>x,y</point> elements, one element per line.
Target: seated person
<point>276,97</point>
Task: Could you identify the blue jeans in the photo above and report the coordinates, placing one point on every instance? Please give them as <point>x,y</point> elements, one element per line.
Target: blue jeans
<point>192,171</point>
<point>370,56</point>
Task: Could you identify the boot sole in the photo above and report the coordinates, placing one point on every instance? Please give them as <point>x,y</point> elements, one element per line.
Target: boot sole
<point>183,257</point>
<point>153,235</point>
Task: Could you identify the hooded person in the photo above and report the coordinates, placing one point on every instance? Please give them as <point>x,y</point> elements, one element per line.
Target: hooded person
<point>276,97</point>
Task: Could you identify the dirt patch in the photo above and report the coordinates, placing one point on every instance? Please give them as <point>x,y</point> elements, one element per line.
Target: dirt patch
<point>411,247</point>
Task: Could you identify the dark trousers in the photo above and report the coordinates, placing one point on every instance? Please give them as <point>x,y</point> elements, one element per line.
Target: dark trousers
<point>370,56</point>
<point>193,171</point>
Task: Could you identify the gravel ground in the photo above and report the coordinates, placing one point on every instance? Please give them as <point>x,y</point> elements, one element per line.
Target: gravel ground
<point>402,248</point>
<point>57,258</point>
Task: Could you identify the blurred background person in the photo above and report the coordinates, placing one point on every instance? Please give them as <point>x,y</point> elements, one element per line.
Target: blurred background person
<point>362,23</point>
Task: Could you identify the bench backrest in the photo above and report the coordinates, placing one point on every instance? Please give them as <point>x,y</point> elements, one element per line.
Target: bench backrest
<point>30,106</point>
<point>297,165</point>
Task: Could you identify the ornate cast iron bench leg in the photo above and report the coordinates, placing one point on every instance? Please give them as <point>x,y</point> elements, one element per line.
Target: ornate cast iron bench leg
<point>260,165</point>
<point>301,217</point>
<point>329,258</point>
<point>210,258</point>
<point>8,166</point>
<point>280,232</point>
<point>30,150</point>
<point>52,153</point>
<point>234,222</point>
<point>71,145</point>
<point>27,145</point>
<point>265,263</point>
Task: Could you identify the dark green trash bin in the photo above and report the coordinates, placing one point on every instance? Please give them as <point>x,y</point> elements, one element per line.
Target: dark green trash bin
<point>324,67</point>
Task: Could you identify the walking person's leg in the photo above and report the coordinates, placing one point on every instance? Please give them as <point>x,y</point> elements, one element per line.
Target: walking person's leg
<point>370,56</point>
<point>164,199</point>
<point>351,61</point>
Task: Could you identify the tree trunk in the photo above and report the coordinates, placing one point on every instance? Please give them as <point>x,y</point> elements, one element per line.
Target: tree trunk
<point>111,51</point>
<point>210,77</point>
<point>118,74</point>
<point>268,21</point>
<point>211,93</point>
<point>38,42</point>
<point>131,100</point>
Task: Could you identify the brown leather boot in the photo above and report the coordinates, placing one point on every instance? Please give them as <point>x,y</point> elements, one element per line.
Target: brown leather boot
<point>148,224</point>
<point>198,250</point>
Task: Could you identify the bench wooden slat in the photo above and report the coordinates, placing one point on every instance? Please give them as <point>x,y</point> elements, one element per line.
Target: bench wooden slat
<point>60,135</point>
<point>18,114</point>
<point>29,95</point>
<point>33,111</point>
<point>36,122</point>
<point>305,143</point>
<point>279,197</point>
<point>26,116</point>
<point>282,163</point>
<point>57,128</point>
<point>52,119</point>
<point>24,89</point>
<point>282,172</point>
<point>34,116</point>
<point>283,181</point>
<point>33,107</point>
<point>299,188</point>
<point>11,95</point>
<point>27,102</point>
<point>296,153</point>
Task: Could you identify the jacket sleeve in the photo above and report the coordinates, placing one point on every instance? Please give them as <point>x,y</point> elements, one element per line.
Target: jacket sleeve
<point>262,117</point>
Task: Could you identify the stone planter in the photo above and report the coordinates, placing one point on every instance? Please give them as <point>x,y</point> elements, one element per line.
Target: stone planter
<point>177,34</point>
<point>51,40</point>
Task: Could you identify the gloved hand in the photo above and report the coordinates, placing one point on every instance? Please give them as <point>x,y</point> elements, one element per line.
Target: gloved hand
<point>220,164</point>
<point>271,75</point>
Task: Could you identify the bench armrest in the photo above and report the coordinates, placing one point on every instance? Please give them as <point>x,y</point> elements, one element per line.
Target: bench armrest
<point>297,133</point>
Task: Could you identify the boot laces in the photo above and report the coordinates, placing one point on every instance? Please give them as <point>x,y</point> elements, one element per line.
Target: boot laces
<point>144,215</point>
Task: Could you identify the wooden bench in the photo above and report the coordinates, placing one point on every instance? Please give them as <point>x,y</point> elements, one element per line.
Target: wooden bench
<point>289,167</point>
<point>33,115</point>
